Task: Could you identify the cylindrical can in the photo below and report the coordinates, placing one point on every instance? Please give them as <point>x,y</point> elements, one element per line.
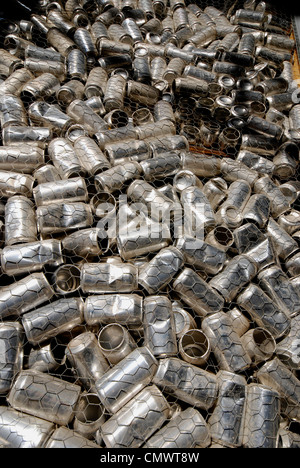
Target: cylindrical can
<point>286,349</point>
<point>76,65</point>
<point>12,111</point>
<point>277,375</point>
<point>15,81</point>
<point>47,357</point>
<point>20,220</point>
<point>62,217</point>
<point>186,430</point>
<point>278,286</point>
<point>126,379</point>
<point>63,437</point>
<point>96,83</point>
<point>220,237</point>
<point>157,204</point>
<point>115,342</point>
<point>90,155</point>
<point>284,243</point>
<point>16,135</point>
<point>133,424</point>
<point>158,273</point>
<point>260,344</point>
<point>201,254</point>
<point>225,343</point>
<point>187,382</point>
<point>83,39</point>
<point>257,210</point>
<point>113,179</point>
<point>124,309</point>
<point>225,422</point>
<point>183,320</point>
<point>108,277</point>
<point>199,216</point>
<point>290,221</point>
<point>88,363</point>
<point>25,159</point>
<point>40,66</point>
<point>115,92</point>
<point>71,190</point>
<point>262,417</point>
<point>233,170</point>
<point>14,183</point>
<point>84,243</point>
<point>60,41</point>
<point>56,17</point>
<point>44,396</point>
<point>194,347</point>
<point>286,160</point>
<point>164,165</point>
<point>141,238</point>
<point>84,114</point>
<point>66,279</point>
<point>22,430</point>
<point>46,173</point>
<point>11,343</point>
<point>278,202</point>
<point>159,326</point>
<point>237,273</point>
<point>195,292</point>
<point>64,158</point>
<point>89,416</point>
<point>40,87</point>
<point>264,312</point>
<point>31,256</point>
<point>69,91</point>
<point>200,164</point>
<point>52,319</point>
<point>121,152</point>
<point>259,163</point>
<point>24,295</point>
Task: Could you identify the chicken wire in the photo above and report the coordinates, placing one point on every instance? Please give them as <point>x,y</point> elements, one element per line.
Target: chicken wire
<point>150,226</point>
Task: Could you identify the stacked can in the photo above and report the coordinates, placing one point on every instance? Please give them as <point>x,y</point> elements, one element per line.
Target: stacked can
<point>150,227</point>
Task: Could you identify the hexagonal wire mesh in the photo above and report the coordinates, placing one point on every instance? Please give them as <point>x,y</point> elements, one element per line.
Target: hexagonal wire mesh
<point>150,216</point>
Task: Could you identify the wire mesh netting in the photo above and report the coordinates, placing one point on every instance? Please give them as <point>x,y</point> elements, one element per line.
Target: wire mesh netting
<point>150,262</point>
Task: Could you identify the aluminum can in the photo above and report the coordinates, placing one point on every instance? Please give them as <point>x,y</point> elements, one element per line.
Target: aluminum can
<point>225,343</point>
<point>63,217</point>
<point>22,430</point>
<point>159,326</point>
<point>264,312</point>
<point>188,430</point>
<point>201,254</point>
<point>108,277</point>
<point>11,342</point>
<point>64,158</point>
<point>88,363</point>
<point>197,293</point>
<point>225,422</point>
<point>20,220</point>
<point>158,273</point>
<point>31,256</point>
<point>278,286</point>
<point>187,382</point>
<point>72,190</point>
<point>126,379</point>
<point>68,438</point>
<point>262,417</point>
<point>24,295</point>
<point>50,320</point>
<point>130,427</point>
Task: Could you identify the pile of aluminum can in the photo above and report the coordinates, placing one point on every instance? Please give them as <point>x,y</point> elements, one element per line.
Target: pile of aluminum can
<point>150,258</point>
